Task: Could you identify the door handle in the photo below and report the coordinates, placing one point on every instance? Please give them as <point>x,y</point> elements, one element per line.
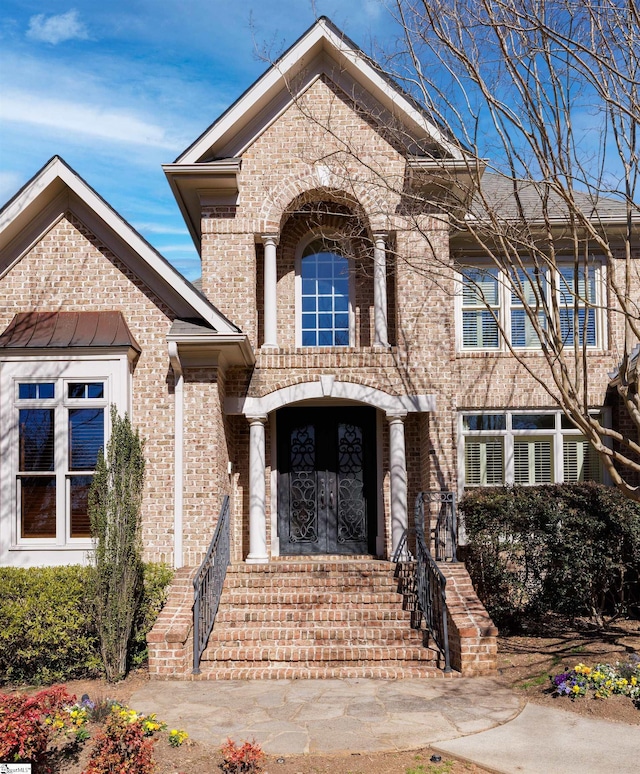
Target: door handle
<point>322,496</point>
<point>331,498</point>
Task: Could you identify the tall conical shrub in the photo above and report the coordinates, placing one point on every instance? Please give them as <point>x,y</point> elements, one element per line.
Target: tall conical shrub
<point>115,514</point>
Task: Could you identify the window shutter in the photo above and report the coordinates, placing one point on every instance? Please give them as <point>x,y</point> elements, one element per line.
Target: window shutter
<point>581,460</point>
<point>532,461</point>
<point>484,462</point>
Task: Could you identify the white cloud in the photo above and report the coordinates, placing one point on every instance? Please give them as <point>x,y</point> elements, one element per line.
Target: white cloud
<point>112,125</point>
<point>57,29</point>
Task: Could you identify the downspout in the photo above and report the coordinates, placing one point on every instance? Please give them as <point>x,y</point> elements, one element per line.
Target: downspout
<point>178,493</point>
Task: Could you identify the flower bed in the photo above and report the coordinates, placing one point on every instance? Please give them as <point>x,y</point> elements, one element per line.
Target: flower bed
<point>600,681</point>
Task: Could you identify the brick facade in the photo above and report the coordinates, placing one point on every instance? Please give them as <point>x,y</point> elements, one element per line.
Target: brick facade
<point>321,165</point>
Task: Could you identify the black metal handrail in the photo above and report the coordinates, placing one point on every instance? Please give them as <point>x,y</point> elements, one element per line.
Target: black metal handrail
<point>443,528</point>
<point>208,582</point>
<point>431,596</point>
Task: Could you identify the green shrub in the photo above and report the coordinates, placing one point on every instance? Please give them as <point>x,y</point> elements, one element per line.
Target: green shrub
<point>572,549</point>
<point>47,635</point>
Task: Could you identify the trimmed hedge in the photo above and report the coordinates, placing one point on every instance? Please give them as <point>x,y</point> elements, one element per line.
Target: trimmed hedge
<point>572,549</point>
<point>47,634</point>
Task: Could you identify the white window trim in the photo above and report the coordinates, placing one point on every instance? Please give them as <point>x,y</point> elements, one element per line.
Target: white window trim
<point>505,306</point>
<point>113,370</point>
<point>302,245</point>
<point>557,434</point>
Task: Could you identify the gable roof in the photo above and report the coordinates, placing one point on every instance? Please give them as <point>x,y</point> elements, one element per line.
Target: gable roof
<point>322,48</point>
<point>56,189</point>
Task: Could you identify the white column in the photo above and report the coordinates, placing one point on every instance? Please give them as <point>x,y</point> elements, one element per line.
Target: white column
<point>398,470</point>
<point>257,492</point>
<point>178,435</point>
<point>381,338</point>
<point>270,290</point>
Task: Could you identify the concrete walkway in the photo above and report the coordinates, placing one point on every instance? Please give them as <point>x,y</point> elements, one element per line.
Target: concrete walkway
<point>476,719</point>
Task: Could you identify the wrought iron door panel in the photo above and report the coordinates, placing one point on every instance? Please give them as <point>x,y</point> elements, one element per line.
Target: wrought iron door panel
<point>303,517</point>
<point>351,503</point>
<point>326,465</point>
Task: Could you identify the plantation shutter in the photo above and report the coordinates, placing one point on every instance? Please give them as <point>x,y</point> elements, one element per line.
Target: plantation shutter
<point>484,461</point>
<point>581,461</point>
<point>532,461</point>
<point>479,324</point>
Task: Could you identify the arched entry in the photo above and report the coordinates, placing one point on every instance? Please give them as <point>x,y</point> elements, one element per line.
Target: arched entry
<point>326,462</point>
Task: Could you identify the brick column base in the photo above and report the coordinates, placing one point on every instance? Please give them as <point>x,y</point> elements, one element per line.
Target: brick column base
<point>170,641</point>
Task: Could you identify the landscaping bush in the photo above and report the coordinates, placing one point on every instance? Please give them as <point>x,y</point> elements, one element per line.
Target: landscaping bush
<point>117,577</point>
<point>572,549</point>
<point>28,724</point>
<point>47,635</point>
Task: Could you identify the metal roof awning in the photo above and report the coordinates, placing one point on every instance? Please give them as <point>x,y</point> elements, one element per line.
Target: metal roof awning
<point>41,330</point>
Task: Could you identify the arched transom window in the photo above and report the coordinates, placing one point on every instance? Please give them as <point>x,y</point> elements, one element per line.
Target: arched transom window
<point>324,317</point>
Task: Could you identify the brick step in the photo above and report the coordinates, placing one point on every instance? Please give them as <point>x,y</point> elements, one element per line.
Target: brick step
<point>241,597</point>
<point>286,654</point>
<point>344,567</point>
<point>301,635</point>
<point>294,581</point>
<point>271,615</point>
<point>390,671</point>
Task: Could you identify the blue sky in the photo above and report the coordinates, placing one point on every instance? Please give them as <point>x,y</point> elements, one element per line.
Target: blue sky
<point>119,88</point>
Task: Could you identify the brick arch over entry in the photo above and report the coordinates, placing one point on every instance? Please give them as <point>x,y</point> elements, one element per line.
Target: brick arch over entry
<point>317,184</point>
<point>328,386</point>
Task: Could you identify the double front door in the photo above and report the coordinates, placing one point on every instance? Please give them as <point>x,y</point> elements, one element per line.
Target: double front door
<point>326,480</point>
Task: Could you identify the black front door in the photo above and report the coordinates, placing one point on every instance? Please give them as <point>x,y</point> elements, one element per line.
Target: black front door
<point>326,475</point>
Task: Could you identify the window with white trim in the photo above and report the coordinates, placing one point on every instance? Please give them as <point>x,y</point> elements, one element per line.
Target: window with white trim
<point>61,430</point>
<point>324,296</point>
<point>55,419</point>
<point>526,448</point>
<point>488,299</point>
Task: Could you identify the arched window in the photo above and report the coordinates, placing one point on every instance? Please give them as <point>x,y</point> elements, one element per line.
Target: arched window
<point>324,296</point>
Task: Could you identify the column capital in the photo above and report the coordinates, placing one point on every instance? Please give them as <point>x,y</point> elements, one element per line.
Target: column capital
<point>380,236</point>
<point>255,419</point>
<point>396,416</point>
<point>270,239</point>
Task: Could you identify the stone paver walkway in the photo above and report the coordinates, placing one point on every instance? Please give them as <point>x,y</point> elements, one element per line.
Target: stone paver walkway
<point>330,716</point>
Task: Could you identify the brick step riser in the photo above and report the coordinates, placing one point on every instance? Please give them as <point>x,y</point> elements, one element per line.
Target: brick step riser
<point>311,569</point>
<point>340,584</point>
<point>239,598</point>
<point>319,653</point>
<point>302,636</point>
<point>312,672</point>
<point>372,615</point>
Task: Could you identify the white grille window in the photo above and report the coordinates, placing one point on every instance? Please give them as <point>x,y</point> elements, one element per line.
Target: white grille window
<point>489,301</point>
<point>524,448</point>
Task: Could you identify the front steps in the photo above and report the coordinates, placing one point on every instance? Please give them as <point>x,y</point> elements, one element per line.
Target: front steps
<point>311,619</point>
<point>299,618</point>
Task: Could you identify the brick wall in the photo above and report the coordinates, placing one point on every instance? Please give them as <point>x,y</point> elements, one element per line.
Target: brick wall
<point>69,269</point>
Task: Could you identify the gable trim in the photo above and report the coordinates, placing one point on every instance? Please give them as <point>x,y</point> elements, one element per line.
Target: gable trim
<point>57,188</point>
<point>323,35</point>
